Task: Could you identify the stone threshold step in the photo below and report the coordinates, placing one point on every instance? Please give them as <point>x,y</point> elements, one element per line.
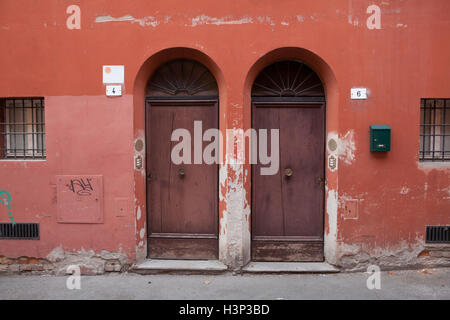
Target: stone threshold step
<point>289,267</point>
<point>153,266</point>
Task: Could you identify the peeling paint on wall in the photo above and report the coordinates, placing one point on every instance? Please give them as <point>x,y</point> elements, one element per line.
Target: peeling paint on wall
<point>234,236</point>
<point>331,230</point>
<point>138,214</point>
<point>203,19</point>
<point>145,21</point>
<point>222,181</point>
<point>404,190</point>
<point>347,147</point>
<point>112,19</point>
<point>265,19</point>
<point>207,20</point>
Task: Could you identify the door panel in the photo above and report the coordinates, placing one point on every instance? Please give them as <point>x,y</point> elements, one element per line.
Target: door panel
<point>282,250</point>
<point>287,211</point>
<point>269,201</point>
<point>182,208</point>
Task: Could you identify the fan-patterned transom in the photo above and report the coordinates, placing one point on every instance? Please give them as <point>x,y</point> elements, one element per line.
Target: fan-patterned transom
<point>288,79</point>
<point>182,78</point>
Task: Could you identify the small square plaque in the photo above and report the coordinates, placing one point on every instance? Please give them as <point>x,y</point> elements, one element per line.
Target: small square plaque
<point>358,93</point>
<point>114,91</point>
<point>79,199</point>
<point>113,74</point>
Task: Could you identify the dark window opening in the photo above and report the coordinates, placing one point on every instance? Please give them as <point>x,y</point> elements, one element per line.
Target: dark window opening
<point>22,128</point>
<point>434,130</point>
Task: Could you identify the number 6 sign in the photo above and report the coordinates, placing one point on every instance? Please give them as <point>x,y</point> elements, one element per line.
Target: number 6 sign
<point>358,93</point>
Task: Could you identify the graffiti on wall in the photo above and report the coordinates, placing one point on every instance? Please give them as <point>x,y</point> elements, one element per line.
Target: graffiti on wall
<point>81,187</point>
<point>5,198</point>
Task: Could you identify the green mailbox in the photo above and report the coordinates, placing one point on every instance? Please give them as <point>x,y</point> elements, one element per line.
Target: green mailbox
<point>380,138</point>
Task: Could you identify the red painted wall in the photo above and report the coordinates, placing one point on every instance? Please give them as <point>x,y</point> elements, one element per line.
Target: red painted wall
<point>89,133</point>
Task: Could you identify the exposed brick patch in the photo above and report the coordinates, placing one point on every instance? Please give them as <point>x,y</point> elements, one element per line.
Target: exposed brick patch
<point>24,265</point>
<point>424,253</point>
<point>6,261</point>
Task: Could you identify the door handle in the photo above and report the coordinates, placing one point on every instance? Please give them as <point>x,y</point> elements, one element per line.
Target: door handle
<point>181,172</point>
<point>322,181</point>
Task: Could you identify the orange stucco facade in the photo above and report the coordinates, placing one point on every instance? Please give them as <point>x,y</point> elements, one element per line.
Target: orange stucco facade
<point>403,60</point>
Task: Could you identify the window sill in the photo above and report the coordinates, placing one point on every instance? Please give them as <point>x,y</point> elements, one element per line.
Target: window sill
<point>428,164</point>
<point>438,246</point>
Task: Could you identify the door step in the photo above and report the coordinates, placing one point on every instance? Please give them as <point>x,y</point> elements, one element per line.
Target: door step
<point>155,266</point>
<point>289,267</point>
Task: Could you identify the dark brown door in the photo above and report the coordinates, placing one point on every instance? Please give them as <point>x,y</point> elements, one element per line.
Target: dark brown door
<point>182,199</point>
<point>287,208</point>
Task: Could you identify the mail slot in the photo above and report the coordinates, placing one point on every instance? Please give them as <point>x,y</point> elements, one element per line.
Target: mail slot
<point>380,138</point>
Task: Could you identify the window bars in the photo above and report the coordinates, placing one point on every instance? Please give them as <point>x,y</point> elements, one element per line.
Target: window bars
<point>434,130</point>
<point>22,128</point>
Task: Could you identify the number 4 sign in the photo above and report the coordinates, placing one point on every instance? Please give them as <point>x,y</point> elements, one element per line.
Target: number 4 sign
<point>114,91</point>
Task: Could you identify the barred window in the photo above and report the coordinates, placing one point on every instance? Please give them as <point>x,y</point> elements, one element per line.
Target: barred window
<point>434,130</point>
<point>22,128</point>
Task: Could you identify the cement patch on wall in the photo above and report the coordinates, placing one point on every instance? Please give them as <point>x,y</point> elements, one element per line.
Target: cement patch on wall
<point>234,235</point>
<point>403,256</point>
<point>58,261</point>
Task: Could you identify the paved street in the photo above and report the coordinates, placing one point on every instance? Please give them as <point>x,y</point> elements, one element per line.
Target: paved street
<point>426,284</point>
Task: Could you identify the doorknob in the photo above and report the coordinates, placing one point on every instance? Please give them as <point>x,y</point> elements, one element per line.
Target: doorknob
<point>288,172</point>
<point>181,172</point>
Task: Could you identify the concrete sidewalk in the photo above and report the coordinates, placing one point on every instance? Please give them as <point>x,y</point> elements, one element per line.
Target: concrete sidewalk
<point>427,284</point>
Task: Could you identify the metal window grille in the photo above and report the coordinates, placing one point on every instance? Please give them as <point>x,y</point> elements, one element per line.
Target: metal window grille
<point>22,128</point>
<point>434,130</point>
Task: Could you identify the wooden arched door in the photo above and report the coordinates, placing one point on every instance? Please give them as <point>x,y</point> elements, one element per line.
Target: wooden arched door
<point>182,199</point>
<point>287,208</point>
